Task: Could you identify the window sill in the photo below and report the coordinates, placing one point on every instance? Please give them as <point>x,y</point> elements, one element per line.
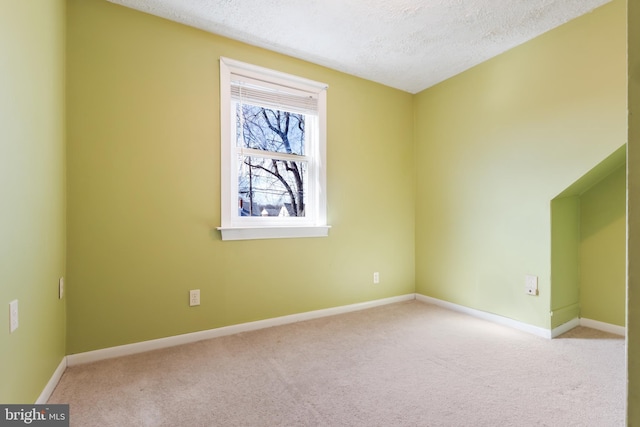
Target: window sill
<point>282,232</point>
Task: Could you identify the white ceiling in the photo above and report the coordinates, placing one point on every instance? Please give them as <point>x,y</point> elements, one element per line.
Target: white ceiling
<point>406,44</point>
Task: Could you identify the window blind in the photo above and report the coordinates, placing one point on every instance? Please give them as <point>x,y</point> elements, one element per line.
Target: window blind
<point>263,94</point>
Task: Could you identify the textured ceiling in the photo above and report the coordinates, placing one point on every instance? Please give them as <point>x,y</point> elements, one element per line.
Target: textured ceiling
<point>406,44</point>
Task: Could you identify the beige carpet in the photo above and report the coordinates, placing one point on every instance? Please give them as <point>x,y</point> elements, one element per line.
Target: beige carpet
<point>406,364</point>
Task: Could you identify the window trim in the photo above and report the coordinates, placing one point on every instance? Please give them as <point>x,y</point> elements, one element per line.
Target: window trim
<point>234,228</point>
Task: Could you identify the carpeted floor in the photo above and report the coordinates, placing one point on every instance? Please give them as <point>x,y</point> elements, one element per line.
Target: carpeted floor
<point>405,364</point>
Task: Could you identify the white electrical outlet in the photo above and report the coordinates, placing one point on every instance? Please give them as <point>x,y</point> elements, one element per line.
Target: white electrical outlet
<point>61,288</point>
<point>13,315</point>
<point>194,297</point>
<point>531,284</point>
<point>376,277</point>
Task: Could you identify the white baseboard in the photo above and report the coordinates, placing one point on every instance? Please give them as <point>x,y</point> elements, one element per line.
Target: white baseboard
<point>53,382</point>
<point>565,327</point>
<point>140,347</point>
<point>602,326</point>
<point>124,350</point>
<point>505,321</point>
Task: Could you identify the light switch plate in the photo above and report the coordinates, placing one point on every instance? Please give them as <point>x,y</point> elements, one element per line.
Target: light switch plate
<point>13,315</point>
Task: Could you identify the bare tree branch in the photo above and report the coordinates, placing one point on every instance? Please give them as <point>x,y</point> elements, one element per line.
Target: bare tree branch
<point>276,131</point>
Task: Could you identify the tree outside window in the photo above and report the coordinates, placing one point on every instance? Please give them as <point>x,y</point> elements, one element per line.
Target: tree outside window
<point>268,185</point>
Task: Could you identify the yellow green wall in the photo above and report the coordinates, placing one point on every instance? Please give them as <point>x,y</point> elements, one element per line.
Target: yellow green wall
<point>603,248</point>
<point>633,217</point>
<point>496,144</point>
<point>32,194</point>
<point>565,259</point>
<point>144,188</point>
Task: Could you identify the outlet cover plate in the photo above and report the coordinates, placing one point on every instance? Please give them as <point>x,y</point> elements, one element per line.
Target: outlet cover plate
<point>531,284</point>
<point>194,297</point>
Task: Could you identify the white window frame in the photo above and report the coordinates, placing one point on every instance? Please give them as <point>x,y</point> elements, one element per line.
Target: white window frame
<point>235,227</point>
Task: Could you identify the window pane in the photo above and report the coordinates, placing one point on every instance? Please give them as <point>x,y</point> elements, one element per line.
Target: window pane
<point>270,129</point>
<point>269,187</point>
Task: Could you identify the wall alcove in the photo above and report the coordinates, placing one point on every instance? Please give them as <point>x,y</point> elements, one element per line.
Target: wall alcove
<point>588,246</point>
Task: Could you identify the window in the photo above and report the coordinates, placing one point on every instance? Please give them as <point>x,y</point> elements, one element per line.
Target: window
<point>273,133</point>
